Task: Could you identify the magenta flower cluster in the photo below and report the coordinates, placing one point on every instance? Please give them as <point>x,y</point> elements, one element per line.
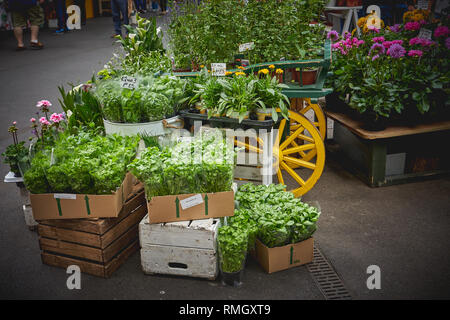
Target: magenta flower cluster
<point>412,26</point>
<point>421,41</point>
<point>345,45</point>
<point>396,51</point>
<point>333,35</point>
<point>441,31</point>
<point>415,53</point>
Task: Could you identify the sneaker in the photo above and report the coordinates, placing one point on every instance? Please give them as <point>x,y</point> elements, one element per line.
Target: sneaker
<point>36,45</point>
<point>60,31</point>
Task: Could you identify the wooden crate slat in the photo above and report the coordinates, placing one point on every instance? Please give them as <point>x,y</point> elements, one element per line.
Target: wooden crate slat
<point>94,240</point>
<point>134,218</point>
<point>128,237</point>
<point>70,249</point>
<point>91,267</point>
<point>85,238</point>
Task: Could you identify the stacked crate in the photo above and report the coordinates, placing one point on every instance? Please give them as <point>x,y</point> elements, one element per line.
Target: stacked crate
<point>185,248</point>
<point>97,246</point>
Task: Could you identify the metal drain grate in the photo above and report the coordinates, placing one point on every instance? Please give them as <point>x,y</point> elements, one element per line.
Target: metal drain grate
<point>326,278</point>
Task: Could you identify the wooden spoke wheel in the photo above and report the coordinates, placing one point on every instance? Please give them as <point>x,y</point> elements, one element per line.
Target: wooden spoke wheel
<point>287,162</point>
<point>302,106</point>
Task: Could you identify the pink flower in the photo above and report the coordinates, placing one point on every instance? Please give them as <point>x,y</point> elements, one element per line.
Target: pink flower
<point>43,103</point>
<point>415,53</point>
<point>33,120</point>
<point>374,29</point>
<point>412,26</point>
<point>333,35</point>
<point>56,118</point>
<point>396,51</point>
<point>375,57</point>
<point>44,121</point>
<point>14,122</point>
<point>422,22</point>
<point>378,39</point>
<point>387,44</point>
<point>441,31</point>
<point>400,42</point>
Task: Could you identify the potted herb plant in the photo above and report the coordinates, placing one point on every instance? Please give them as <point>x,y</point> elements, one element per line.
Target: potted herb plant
<point>16,154</point>
<point>232,245</point>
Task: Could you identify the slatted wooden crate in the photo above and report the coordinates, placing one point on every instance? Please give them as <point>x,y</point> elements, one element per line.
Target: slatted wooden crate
<point>186,248</point>
<point>97,246</point>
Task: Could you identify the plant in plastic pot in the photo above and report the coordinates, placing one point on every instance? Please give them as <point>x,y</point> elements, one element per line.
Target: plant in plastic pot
<point>232,243</point>
<point>16,152</point>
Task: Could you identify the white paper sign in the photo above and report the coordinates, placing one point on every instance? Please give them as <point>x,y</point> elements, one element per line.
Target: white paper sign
<point>128,82</point>
<point>218,69</point>
<point>191,201</point>
<point>246,46</point>
<point>422,4</point>
<point>425,34</point>
<point>67,196</point>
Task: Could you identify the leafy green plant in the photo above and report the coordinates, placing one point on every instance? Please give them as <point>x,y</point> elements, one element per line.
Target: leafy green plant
<point>84,163</point>
<point>279,217</point>
<point>232,245</point>
<point>15,154</point>
<point>202,165</point>
<point>81,107</point>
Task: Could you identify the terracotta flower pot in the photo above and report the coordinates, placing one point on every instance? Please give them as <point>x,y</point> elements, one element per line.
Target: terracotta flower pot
<point>308,77</point>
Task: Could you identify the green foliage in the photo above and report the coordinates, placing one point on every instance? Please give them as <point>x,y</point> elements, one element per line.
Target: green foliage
<point>232,244</point>
<point>154,99</point>
<point>15,154</point>
<point>84,163</point>
<point>279,217</point>
<point>202,165</point>
<point>83,108</point>
<point>213,30</point>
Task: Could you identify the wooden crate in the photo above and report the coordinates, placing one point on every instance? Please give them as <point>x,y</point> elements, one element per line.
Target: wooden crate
<point>97,246</point>
<point>186,248</point>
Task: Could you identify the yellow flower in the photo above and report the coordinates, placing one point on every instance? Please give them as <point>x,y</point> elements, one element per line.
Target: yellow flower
<point>353,32</point>
<point>240,73</point>
<point>272,66</point>
<point>202,66</point>
<point>209,70</point>
<point>265,71</point>
<point>279,71</point>
<point>362,21</point>
<point>240,67</point>
<point>227,73</point>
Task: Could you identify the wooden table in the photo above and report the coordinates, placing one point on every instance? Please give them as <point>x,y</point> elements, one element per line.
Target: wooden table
<point>400,153</point>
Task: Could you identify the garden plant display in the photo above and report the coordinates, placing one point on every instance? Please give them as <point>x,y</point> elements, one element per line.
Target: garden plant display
<point>239,95</point>
<point>84,163</point>
<point>15,153</point>
<point>202,165</point>
<point>154,99</point>
<point>278,216</point>
<point>212,31</point>
<point>391,72</point>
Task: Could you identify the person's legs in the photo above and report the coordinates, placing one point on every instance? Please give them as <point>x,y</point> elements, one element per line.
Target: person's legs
<point>115,10</point>
<point>36,16</point>
<point>61,14</point>
<point>19,21</point>
<point>124,9</point>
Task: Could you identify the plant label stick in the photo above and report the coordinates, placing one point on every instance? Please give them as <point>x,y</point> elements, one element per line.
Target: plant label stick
<point>246,46</point>
<point>128,82</point>
<point>422,4</point>
<point>425,34</point>
<point>218,69</point>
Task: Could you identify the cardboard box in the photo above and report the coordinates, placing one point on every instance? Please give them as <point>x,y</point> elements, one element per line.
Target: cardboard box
<point>184,207</point>
<point>50,206</point>
<point>286,257</point>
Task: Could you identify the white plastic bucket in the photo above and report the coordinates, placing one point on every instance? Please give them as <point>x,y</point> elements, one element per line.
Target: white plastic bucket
<point>154,128</point>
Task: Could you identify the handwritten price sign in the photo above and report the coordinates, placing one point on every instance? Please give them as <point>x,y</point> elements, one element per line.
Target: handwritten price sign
<point>218,69</point>
<point>246,46</point>
<point>425,34</point>
<point>128,82</point>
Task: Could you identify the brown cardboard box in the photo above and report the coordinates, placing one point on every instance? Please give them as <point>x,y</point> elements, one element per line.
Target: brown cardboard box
<point>180,207</point>
<point>50,206</point>
<point>282,258</point>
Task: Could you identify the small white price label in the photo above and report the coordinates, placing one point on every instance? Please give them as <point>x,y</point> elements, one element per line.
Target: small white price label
<point>246,46</point>
<point>128,82</point>
<point>191,201</point>
<point>218,69</point>
<point>425,34</point>
<point>66,196</point>
<point>422,4</point>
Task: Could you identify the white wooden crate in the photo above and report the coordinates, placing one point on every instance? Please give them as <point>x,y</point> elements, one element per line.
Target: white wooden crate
<point>186,248</point>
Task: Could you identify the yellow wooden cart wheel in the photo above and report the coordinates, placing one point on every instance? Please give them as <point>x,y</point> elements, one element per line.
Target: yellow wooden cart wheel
<point>302,106</point>
<point>286,153</point>
<point>307,172</point>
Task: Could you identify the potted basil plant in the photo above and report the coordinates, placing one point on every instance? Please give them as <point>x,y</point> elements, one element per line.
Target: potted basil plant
<point>232,244</point>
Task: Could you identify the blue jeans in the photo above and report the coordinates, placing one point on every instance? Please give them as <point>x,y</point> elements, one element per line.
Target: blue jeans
<point>117,7</point>
<point>61,13</point>
<point>139,4</point>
